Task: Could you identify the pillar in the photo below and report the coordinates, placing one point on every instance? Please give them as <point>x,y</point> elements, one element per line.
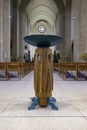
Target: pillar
<point>68,30</point>
<point>79,10</point>
<point>5,30</point>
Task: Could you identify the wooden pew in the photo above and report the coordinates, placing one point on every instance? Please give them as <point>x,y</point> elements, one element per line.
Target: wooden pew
<point>62,69</point>
<point>25,66</point>
<point>79,70</point>
<point>82,71</point>
<point>13,70</point>
<point>56,66</point>
<point>71,70</point>
<point>3,72</point>
<point>31,66</point>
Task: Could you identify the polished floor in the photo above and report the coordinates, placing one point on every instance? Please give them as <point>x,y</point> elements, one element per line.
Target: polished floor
<point>15,96</point>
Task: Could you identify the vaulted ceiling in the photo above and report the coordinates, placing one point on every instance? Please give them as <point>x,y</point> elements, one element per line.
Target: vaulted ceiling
<point>24,3</point>
<point>42,12</point>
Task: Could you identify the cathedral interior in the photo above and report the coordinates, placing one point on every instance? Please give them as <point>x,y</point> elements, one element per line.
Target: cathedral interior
<point>65,18</point>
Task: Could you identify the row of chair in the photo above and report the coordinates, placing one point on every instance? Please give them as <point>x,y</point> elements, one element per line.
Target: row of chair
<point>67,70</point>
<point>73,70</point>
<point>14,69</point>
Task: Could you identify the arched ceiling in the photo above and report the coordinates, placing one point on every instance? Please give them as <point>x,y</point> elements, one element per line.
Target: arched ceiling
<point>42,13</point>
<point>24,3</point>
<point>42,10</point>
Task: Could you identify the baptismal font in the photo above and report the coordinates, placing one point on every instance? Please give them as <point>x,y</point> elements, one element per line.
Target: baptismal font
<point>43,70</point>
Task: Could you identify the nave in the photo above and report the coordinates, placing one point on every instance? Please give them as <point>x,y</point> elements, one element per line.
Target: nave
<point>15,97</point>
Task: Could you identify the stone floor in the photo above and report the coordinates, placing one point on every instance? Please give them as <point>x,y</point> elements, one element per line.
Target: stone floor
<point>15,97</point>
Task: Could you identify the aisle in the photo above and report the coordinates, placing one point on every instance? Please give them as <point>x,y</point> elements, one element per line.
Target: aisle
<point>15,97</point>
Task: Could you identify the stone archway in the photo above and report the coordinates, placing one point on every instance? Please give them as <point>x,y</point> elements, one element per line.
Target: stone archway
<point>61,21</point>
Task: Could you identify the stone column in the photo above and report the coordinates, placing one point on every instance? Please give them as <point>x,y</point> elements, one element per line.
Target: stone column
<point>20,33</point>
<point>5,30</point>
<point>68,30</point>
<point>14,32</point>
<point>23,31</point>
<point>62,33</point>
<point>79,9</point>
<point>19,29</point>
<point>1,36</point>
<point>76,10</point>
